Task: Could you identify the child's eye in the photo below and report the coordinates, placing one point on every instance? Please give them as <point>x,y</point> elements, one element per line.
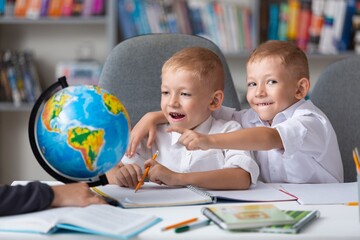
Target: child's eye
<point>185,94</point>
<point>271,82</point>
<point>164,92</point>
<point>251,84</point>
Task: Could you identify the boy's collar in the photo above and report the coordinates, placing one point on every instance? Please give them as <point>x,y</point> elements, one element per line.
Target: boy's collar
<point>281,116</point>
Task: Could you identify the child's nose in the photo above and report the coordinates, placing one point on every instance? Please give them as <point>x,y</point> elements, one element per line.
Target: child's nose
<point>260,91</point>
<point>173,101</point>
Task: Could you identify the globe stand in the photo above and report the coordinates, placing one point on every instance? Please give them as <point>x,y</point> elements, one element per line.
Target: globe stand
<point>96,181</point>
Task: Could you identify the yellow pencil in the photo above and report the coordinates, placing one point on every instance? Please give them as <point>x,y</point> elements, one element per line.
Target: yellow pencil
<point>146,172</point>
<point>356,159</point>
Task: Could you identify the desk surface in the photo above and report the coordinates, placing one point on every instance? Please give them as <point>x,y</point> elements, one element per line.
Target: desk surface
<point>335,222</point>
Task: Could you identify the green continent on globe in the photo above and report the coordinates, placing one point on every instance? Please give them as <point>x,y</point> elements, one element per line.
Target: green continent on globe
<point>88,142</point>
<point>52,109</point>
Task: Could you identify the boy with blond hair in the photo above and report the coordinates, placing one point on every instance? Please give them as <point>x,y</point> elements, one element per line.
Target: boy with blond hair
<point>192,88</point>
<point>293,140</point>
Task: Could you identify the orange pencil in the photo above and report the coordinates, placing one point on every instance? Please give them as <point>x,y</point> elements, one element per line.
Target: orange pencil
<point>146,172</point>
<point>176,225</point>
<point>356,159</point>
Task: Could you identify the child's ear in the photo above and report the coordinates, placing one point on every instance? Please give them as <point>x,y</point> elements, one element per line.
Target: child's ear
<point>303,86</point>
<point>217,100</point>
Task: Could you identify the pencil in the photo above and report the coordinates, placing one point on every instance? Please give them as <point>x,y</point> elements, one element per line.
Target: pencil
<point>356,159</point>
<point>179,224</point>
<point>146,172</point>
<point>107,198</point>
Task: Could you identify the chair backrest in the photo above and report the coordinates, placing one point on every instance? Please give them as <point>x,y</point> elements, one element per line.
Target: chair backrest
<point>337,94</point>
<point>132,70</point>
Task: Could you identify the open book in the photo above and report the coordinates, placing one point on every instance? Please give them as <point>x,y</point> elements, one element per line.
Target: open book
<point>154,195</point>
<point>94,219</point>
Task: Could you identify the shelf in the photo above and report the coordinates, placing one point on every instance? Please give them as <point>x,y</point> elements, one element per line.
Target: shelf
<point>63,20</point>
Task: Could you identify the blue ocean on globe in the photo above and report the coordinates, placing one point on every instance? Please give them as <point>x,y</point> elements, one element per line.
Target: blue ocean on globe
<point>82,131</point>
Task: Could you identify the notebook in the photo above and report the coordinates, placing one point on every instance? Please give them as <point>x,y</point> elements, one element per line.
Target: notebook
<point>154,195</point>
<point>237,217</point>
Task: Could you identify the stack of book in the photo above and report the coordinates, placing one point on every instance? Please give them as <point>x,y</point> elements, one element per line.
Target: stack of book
<point>19,82</point>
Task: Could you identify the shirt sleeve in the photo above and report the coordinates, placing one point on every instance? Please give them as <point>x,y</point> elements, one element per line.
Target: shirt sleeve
<point>34,196</point>
<point>306,134</point>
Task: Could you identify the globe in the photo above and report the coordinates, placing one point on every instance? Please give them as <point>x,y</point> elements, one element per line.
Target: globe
<point>81,132</point>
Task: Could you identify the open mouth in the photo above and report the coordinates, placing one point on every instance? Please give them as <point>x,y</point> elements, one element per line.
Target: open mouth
<point>174,115</point>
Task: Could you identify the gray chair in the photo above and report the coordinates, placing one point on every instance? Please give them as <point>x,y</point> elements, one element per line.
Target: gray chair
<point>337,94</point>
<point>133,68</point>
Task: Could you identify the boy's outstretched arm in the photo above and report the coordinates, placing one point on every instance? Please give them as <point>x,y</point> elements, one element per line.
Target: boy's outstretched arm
<point>145,127</point>
<point>257,138</point>
<point>227,178</point>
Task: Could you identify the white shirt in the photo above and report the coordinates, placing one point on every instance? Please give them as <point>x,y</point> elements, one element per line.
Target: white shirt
<point>311,153</point>
<point>174,155</point>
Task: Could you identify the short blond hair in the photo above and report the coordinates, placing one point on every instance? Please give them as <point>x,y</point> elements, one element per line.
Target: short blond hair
<point>204,64</point>
<point>292,57</point>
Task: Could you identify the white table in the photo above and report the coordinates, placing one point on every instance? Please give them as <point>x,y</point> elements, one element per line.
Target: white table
<point>336,222</point>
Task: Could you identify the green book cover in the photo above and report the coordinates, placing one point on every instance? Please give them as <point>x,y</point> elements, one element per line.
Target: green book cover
<point>236,217</point>
<point>303,218</point>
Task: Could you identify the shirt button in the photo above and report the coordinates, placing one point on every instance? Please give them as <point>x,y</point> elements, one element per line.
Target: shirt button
<point>188,153</point>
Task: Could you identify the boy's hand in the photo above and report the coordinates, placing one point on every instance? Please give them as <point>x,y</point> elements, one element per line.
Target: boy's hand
<point>192,140</point>
<point>160,174</point>
<point>74,194</point>
<point>145,127</point>
<point>128,175</point>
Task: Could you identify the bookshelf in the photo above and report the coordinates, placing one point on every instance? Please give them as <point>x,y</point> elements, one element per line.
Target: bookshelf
<point>51,40</point>
<point>48,39</point>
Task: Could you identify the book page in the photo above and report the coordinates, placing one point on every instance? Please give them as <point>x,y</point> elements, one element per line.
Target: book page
<point>37,222</point>
<point>261,192</point>
<point>99,219</point>
<point>154,195</point>
<point>108,219</point>
<point>326,193</point>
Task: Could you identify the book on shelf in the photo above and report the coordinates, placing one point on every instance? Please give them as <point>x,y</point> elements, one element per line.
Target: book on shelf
<point>19,81</point>
<point>101,219</point>
<point>302,218</point>
<point>237,217</point>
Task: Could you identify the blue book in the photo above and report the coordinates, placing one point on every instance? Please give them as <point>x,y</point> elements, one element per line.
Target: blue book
<point>196,21</point>
<point>2,7</point>
<point>274,13</point>
<point>345,37</point>
<point>126,22</point>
